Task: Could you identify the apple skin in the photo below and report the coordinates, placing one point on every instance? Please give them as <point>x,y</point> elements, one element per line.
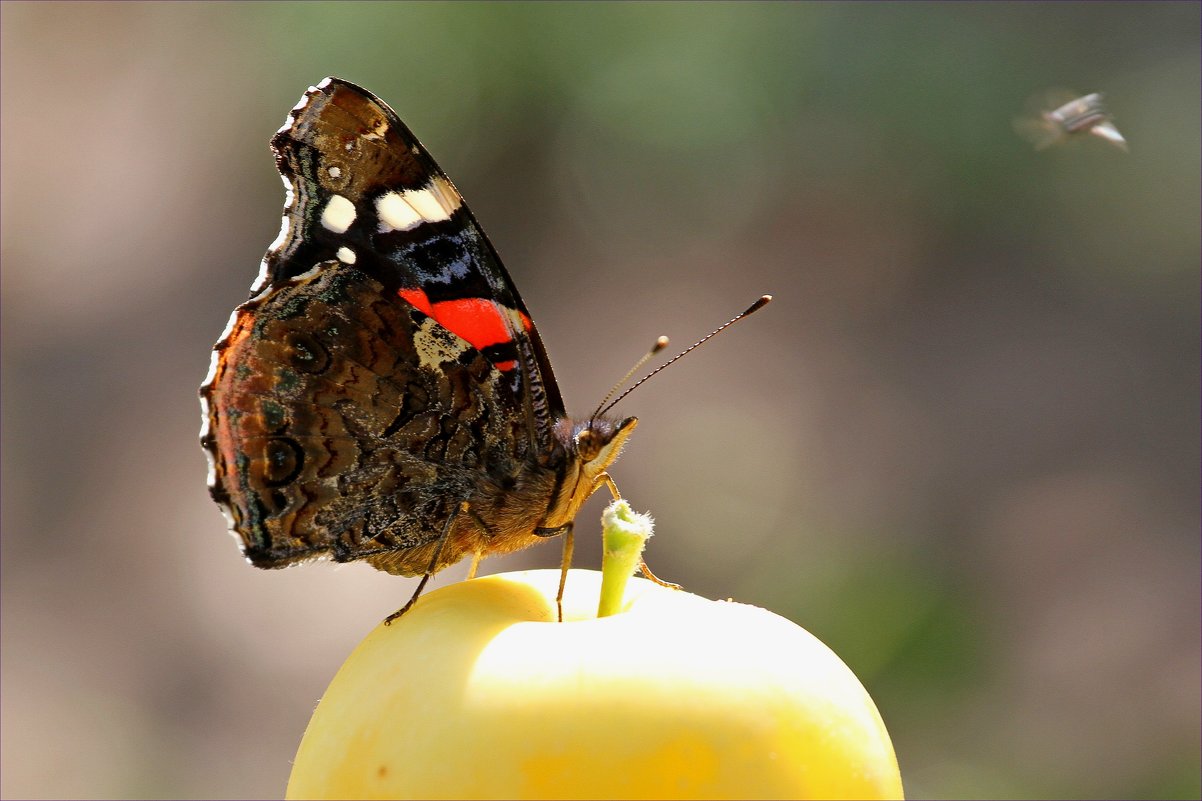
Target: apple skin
<point>478,692</point>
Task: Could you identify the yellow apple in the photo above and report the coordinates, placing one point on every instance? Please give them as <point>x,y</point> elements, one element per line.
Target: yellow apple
<point>479,692</point>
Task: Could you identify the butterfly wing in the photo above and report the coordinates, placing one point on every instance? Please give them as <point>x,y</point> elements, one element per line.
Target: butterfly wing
<point>384,365</point>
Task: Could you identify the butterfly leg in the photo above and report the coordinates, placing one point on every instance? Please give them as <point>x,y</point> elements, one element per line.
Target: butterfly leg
<point>566,563</point>
<point>430,570</point>
<point>646,571</point>
<point>476,557</point>
<point>569,543</point>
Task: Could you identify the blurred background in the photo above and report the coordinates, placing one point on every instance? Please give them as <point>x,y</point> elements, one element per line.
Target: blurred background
<point>962,446</point>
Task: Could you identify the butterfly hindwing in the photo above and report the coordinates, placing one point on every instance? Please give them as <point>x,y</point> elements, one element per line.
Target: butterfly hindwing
<point>343,423</point>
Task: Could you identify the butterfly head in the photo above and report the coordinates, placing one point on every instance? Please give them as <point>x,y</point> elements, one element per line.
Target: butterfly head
<point>596,442</point>
<point>587,448</point>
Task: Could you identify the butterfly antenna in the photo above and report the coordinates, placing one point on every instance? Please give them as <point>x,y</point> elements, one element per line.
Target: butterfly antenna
<point>752,309</point>
<point>660,344</point>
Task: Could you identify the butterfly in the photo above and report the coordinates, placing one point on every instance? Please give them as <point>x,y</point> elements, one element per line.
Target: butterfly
<point>384,395</point>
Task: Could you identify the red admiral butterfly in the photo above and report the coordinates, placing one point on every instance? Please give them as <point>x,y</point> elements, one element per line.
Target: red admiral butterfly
<point>384,395</point>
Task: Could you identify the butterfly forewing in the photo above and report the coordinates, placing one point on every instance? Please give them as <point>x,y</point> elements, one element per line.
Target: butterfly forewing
<point>366,192</point>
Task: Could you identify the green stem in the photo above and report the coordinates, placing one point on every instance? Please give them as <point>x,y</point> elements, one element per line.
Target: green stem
<point>624,534</point>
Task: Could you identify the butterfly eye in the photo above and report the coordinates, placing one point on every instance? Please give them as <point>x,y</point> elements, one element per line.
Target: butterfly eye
<point>589,443</point>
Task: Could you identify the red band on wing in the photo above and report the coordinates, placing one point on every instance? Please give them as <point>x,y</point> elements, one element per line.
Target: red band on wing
<point>478,321</point>
<point>481,322</point>
<point>419,299</point>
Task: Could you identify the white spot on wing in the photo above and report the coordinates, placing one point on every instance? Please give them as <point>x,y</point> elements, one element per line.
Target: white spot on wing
<point>401,211</point>
<point>335,172</point>
<point>309,274</point>
<point>338,215</point>
<point>426,204</point>
<point>395,214</point>
<point>346,255</point>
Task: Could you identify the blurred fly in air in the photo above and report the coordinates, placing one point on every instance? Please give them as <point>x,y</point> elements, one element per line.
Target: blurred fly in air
<point>1059,115</point>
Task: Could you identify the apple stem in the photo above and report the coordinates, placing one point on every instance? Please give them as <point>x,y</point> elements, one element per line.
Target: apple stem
<point>624,533</point>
